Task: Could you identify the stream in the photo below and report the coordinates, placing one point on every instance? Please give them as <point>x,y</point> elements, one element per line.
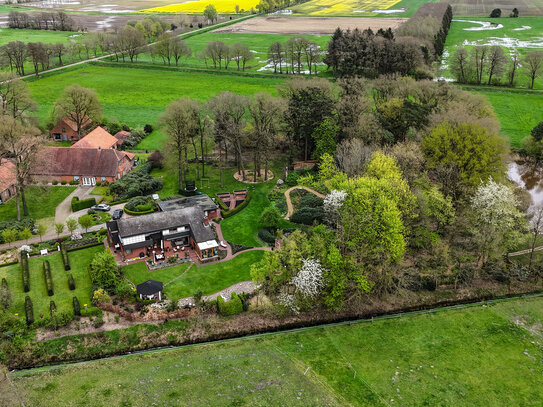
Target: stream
<point>529,177</point>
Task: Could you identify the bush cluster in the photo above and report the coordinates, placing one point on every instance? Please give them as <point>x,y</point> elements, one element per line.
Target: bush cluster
<point>77,307</point>
<point>232,307</point>
<point>26,223</point>
<point>71,282</point>
<point>134,139</point>
<point>29,311</point>
<point>267,235</point>
<point>135,183</point>
<point>77,204</point>
<point>140,205</point>
<point>65,258</point>
<point>307,215</point>
<point>24,270</point>
<point>48,278</point>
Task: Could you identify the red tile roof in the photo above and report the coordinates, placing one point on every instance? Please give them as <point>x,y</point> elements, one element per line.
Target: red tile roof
<point>121,135</point>
<point>79,161</point>
<point>98,138</point>
<point>73,125</point>
<point>7,174</point>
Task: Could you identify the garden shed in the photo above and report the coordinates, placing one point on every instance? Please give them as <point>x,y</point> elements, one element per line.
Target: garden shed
<point>150,290</point>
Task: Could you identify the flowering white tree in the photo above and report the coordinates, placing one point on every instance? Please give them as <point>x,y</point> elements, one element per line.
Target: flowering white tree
<point>25,248</point>
<point>289,301</point>
<point>332,205</point>
<point>495,218</point>
<point>308,281</point>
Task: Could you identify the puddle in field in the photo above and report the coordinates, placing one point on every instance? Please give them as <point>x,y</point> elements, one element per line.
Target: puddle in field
<point>484,25</point>
<point>507,42</point>
<point>399,10</point>
<point>524,27</point>
<point>359,11</point>
<point>106,22</point>
<point>529,177</point>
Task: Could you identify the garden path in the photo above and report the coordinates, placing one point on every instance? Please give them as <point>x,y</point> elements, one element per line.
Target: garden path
<point>64,209</point>
<point>289,202</point>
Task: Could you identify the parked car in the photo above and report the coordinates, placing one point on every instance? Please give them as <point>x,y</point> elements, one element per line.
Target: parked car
<point>117,213</point>
<point>101,207</point>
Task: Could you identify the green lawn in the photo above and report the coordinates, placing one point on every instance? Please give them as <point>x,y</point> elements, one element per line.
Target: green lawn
<point>518,111</point>
<point>479,356</point>
<point>140,96</point>
<point>42,202</point>
<point>79,260</point>
<point>257,43</point>
<point>213,277</point>
<point>138,273</point>
<point>49,37</point>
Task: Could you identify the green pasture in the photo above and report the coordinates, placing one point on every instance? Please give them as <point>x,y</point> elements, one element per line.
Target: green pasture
<point>257,43</point>
<point>518,111</point>
<point>140,96</point>
<point>79,260</point>
<point>488,355</point>
<point>42,202</point>
<point>45,36</point>
<point>511,36</point>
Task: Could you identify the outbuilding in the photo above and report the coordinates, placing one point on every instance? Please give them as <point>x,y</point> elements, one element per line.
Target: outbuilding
<point>150,290</point>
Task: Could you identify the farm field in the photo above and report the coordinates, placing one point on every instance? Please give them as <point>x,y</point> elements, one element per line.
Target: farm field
<point>258,44</point>
<point>141,104</point>
<point>481,8</point>
<point>341,8</point>
<point>79,260</point>
<point>518,111</point>
<point>477,356</point>
<point>198,6</point>
<point>42,202</point>
<point>49,37</point>
<point>307,25</point>
<point>523,34</point>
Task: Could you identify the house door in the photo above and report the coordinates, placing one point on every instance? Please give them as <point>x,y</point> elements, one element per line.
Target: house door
<point>89,181</point>
<point>65,137</point>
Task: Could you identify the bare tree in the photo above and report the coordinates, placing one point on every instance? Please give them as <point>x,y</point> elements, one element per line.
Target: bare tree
<point>22,142</point>
<point>78,104</point>
<point>58,50</point>
<point>179,49</point>
<point>478,55</point>
<point>533,63</point>
<point>276,56</point>
<point>496,63</point>
<point>131,42</point>
<point>460,65</point>
<point>515,63</point>
<point>15,99</point>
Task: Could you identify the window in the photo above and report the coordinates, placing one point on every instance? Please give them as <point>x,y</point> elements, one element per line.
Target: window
<point>64,130</point>
<point>103,179</point>
<point>133,239</point>
<point>76,178</point>
<point>128,251</point>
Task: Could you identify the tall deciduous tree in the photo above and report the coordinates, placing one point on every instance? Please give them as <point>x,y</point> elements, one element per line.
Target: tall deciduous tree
<point>22,141</point>
<point>533,63</point>
<point>15,99</point>
<point>210,12</point>
<point>78,104</point>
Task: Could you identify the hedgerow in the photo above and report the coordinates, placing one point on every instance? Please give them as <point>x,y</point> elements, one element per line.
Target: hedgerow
<point>71,282</point>
<point>24,270</point>
<point>77,204</point>
<point>52,307</point>
<point>29,311</point>
<point>48,278</point>
<point>65,258</point>
<point>77,307</point>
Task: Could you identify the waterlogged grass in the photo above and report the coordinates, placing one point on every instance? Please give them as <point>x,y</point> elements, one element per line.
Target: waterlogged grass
<point>42,202</point>
<point>138,96</point>
<point>79,261</point>
<point>479,356</point>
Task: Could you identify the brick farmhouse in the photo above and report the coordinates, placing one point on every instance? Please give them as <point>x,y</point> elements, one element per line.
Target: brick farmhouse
<point>66,129</point>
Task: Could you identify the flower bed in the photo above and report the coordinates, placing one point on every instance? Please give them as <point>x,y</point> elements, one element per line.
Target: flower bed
<point>165,264</point>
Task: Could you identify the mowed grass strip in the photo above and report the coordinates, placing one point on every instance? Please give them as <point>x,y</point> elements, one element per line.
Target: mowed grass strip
<point>42,202</point>
<point>79,261</point>
<point>139,96</point>
<point>478,356</point>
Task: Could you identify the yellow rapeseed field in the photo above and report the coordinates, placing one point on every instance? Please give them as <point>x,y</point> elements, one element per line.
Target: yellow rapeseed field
<point>343,7</point>
<point>198,6</point>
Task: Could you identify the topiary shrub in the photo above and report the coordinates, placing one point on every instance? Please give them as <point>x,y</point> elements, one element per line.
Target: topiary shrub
<point>71,282</point>
<point>5,284</point>
<point>232,307</point>
<point>55,182</point>
<point>48,278</point>
<point>148,129</point>
<point>24,270</point>
<point>63,182</point>
<point>65,258</point>
<point>52,307</point>
<point>29,311</point>
<point>77,307</point>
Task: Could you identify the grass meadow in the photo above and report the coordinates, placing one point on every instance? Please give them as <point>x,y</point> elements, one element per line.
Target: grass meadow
<point>48,37</point>
<point>258,44</point>
<point>79,260</point>
<point>42,202</point>
<point>139,96</point>
<point>477,356</point>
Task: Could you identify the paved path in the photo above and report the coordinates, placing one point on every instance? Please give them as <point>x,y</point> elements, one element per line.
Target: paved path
<point>64,209</point>
<point>527,251</point>
<point>243,287</point>
<point>289,202</point>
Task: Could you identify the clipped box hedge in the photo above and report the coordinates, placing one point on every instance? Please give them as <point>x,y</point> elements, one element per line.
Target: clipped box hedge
<point>29,311</point>
<point>232,307</point>
<point>71,282</point>
<point>77,204</point>
<point>52,307</point>
<point>65,258</point>
<point>48,278</point>
<point>227,214</point>
<point>24,270</point>
<point>77,307</point>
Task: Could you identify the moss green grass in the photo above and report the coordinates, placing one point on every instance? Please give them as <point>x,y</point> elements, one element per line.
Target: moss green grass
<point>79,260</point>
<point>42,202</point>
<point>479,356</point>
<point>48,37</point>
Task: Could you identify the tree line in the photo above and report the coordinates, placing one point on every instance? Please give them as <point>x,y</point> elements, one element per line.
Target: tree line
<point>57,21</point>
<point>294,54</point>
<point>491,66</point>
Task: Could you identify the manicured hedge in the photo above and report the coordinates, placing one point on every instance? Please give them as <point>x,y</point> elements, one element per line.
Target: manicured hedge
<point>65,258</point>
<point>77,307</point>
<point>227,214</point>
<point>86,246</point>
<point>52,307</point>
<point>232,307</point>
<point>48,278</point>
<point>24,270</point>
<point>5,284</point>
<point>77,205</point>
<point>29,311</point>
<point>11,263</point>
<point>135,213</point>
<point>71,282</point>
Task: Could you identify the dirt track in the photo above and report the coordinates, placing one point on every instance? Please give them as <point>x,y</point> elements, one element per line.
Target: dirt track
<point>309,25</point>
